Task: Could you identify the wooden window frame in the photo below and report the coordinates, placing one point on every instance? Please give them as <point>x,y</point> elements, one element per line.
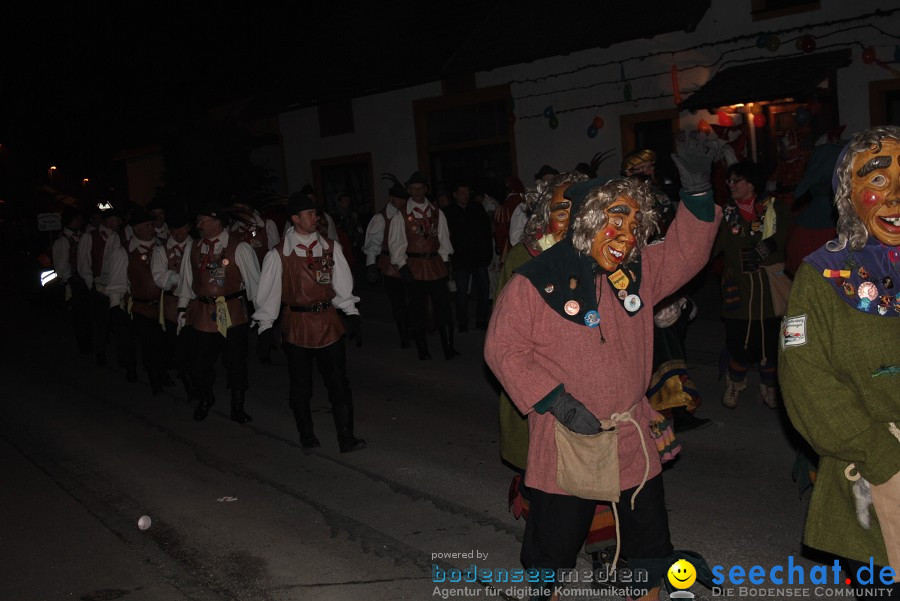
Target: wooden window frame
<point>318,164</point>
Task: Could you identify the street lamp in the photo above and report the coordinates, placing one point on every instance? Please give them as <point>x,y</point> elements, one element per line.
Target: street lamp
<point>50,173</point>
<point>84,184</point>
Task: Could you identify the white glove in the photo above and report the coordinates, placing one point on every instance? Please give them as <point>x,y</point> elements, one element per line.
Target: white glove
<point>181,322</point>
<point>694,155</point>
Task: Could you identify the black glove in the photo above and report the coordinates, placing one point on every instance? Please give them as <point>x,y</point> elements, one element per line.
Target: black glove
<point>264,344</point>
<point>372,274</point>
<point>574,415</point>
<point>354,328</point>
<point>117,315</point>
<point>407,274</point>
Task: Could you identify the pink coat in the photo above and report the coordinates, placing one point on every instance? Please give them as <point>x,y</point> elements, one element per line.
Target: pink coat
<point>532,349</point>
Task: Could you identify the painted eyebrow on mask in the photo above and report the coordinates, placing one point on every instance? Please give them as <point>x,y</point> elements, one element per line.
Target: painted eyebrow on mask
<point>879,162</point>
<point>623,209</point>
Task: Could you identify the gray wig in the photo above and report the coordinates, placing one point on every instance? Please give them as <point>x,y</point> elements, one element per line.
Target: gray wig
<point>850,228</point>
<point>592,217</point>
<point>538,202</point>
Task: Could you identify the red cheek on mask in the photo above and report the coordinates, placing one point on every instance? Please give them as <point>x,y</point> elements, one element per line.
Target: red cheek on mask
<point>870,197</point>
<point>610,233</point>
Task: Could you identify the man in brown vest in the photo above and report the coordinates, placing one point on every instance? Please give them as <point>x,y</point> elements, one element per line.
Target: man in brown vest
<point>378,259</point>
<point>166,267</point>
<point>135,302</point>
<point>93,249</point>
<point>308,278</point>
<point>218,281</point>
<point>419,242</point>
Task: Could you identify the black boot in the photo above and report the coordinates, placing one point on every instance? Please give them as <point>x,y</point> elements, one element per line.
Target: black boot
<point>422,345</point>
<point>189,391</point>
<point>343,422</point>
<point>155,378</point>
<point>404,334</point>
<point>237,407</point>
<point>683,420</point>
<point>303,418</point>
<point>207,400</point>
<point>447,342</point>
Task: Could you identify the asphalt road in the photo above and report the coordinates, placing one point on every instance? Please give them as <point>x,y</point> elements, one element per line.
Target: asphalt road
<point>242,512</point>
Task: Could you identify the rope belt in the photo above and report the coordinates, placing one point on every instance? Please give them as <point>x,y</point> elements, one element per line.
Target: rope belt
<point>314,308</point>
<point>626,417</point>
<point>427,255</point>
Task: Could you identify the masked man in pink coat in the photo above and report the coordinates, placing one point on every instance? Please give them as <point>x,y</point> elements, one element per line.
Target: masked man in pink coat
<point>571,340</point>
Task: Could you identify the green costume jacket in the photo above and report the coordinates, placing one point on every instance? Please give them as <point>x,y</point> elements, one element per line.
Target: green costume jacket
<point>741,292</point>
<point>839,369</point>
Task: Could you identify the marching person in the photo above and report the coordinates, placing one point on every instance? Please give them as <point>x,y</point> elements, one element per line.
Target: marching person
<point>135,302</point>
<point>839,364</point>
<point>378,258</point>
<point>65,263</point>
<point>419,242</point>
<point>93,250</point>
<point>218,281</point>
<point>308,278</point>
<point>571,342</point>
<point>166,267</point>
<point>254,229</point>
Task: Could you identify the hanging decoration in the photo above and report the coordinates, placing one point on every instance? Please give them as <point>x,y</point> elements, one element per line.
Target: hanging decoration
<point>598,122</point>
<point>703,127</point>
<point>676,93</point>
<point>759,120</point>
<point>725,119</point>
<point>761,40</point>
<point>548,112</point>
<point>554,122</point>
<point>592,131</point>
<point>807,44</point>
<point>773,42</point>
<point>869,56</point>
<point>626,91</point>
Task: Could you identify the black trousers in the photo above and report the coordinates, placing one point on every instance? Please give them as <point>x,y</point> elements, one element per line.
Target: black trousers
<point>419,293</point>
<point>479,277</point>
<point>149,335</point>
<point>80,305</point>
<point>204,348</point>
<point>99,309</point>
<point>396,293</point>
<point>558,524</point>
<point>175,350</point>
<point>332,363</point>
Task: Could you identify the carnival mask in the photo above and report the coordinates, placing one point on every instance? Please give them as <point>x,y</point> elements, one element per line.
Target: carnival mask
<point>560,213</point>
<point>615,240</point>
<point>876,191</point>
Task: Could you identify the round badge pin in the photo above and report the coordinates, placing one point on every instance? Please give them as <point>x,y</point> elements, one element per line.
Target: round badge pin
<point>622,294</point>
<point>632,303</point>
<point>592,319</point>
<point>225,262</point>
<point>572,307</point>
<point>548,288</point>
<point>867,290</point>
<point>143,257</point>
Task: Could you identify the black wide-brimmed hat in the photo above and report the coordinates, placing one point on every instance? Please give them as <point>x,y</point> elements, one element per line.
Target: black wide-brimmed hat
<point>216,210</point>
<point>416,178</point>
<point>545,170</point>
<point>299,202</point>
<point>177,217</point>
<point>138,216</point>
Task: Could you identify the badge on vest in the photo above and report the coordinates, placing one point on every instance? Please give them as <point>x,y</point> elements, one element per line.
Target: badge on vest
<point>793,331</point>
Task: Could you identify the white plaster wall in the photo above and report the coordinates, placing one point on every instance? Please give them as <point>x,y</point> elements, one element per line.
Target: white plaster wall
<point>384,122</point>
<point>384,127</point>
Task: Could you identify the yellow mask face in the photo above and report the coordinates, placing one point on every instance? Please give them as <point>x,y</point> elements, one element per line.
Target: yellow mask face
<point>875,182</point>
<point>616,239</point>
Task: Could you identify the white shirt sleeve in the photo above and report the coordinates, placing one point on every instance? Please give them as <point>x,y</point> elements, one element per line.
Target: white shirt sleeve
<point>397,239</point>
<point>374,238</point>
<point>268,293</point>
<point>61,259</point>
<point>84,259</point>
<point>164,277</point>
<point>272,233</point>
<point>332,230</point>
<point>117,285</point>
<point>445,249</point>
<point>249,266</point>
<point>342,282</point>
<point>517,224</point>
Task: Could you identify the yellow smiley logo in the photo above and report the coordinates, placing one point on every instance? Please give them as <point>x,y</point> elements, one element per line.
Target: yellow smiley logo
<point>682,574</point>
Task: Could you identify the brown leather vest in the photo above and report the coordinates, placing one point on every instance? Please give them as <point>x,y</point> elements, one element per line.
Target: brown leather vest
<point>306,283</point>
<point>220,276</point>
<point>170,301</point>
<point>143,290</point>
<point>256,236</point>
<point>384,259</point>
<point>422,238</point>
<point>98,245</point>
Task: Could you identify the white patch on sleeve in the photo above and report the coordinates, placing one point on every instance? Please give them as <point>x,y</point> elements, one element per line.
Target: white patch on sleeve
<point>793,331</point>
